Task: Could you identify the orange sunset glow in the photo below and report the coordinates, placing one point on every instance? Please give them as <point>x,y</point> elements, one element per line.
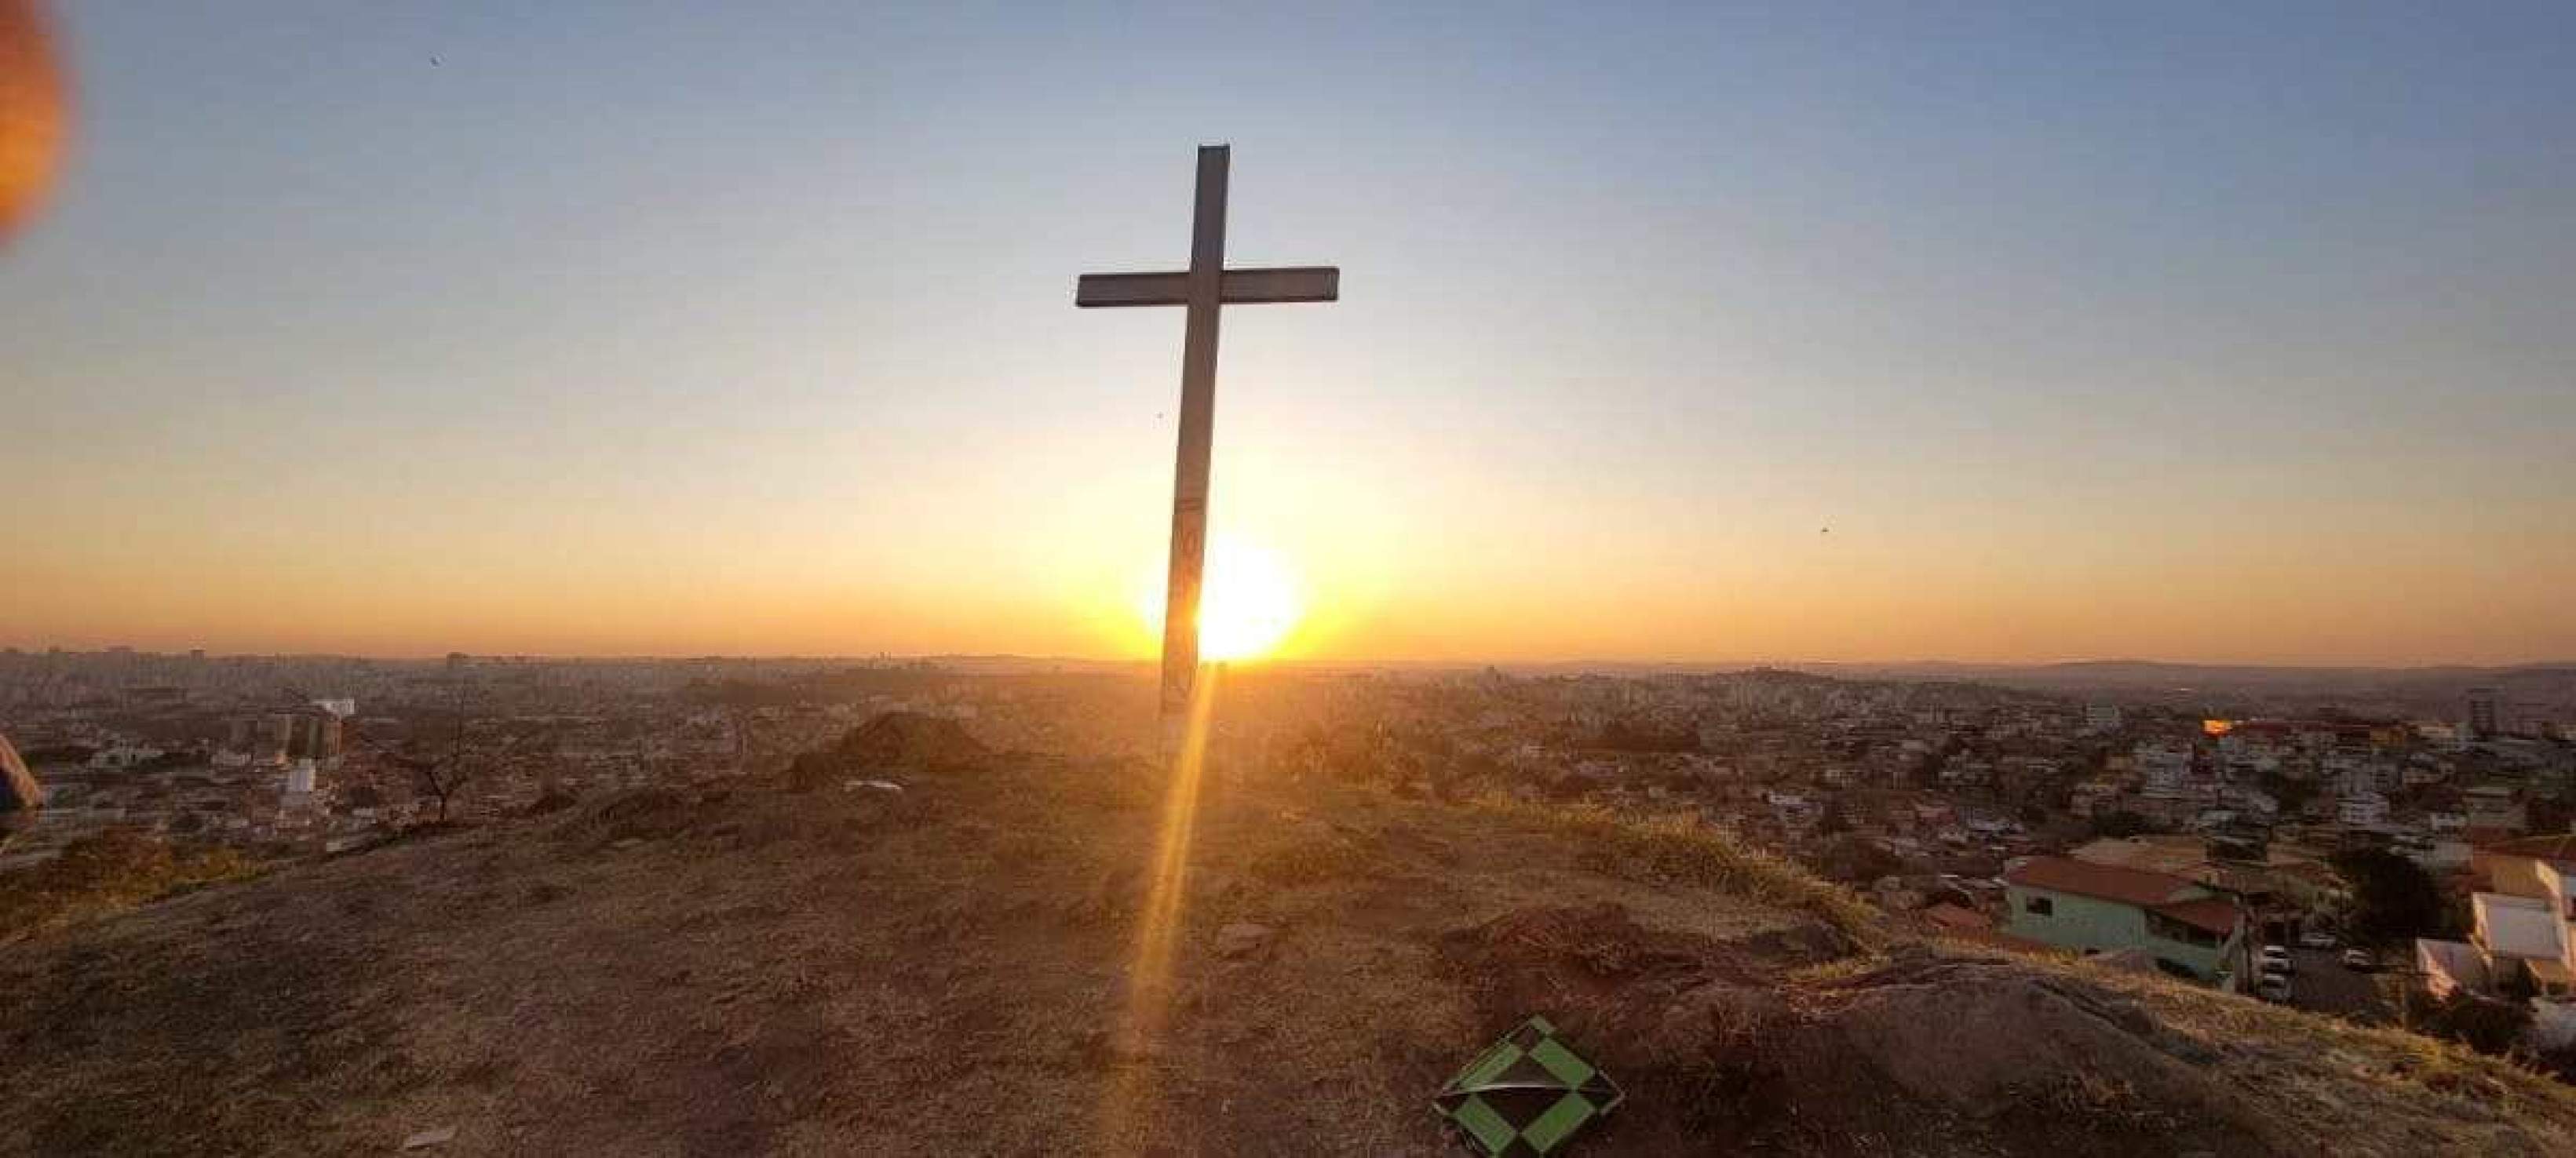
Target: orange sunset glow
<point>553,384</point>
<point>1251,606</point>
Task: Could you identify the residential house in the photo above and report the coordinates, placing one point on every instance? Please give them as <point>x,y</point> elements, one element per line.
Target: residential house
<point>2494,807</point>
<point>2364,810</point>
<point>2522,925</point>
<point>2163,773</point>
<point>2188,928</point>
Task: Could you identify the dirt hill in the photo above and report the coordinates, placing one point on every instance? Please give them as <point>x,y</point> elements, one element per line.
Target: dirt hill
<point>948,969</point>
<point>892,742</point>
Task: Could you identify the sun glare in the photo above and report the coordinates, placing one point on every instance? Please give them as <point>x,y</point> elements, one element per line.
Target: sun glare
<point>1250,605</point>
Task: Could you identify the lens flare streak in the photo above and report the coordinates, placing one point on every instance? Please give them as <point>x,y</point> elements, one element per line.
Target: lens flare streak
<point>1149,970</point>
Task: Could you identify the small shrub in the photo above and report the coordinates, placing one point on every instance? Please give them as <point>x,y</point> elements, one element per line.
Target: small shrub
<point>2481,1023</point>
<point>106,873</point>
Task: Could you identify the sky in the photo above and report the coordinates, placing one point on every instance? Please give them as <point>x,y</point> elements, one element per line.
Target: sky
<point>2213,332</point>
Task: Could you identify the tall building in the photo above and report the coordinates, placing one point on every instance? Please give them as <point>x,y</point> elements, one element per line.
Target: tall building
<point>314,734</point>
<point>275,738</point>
<point>2482,713</point>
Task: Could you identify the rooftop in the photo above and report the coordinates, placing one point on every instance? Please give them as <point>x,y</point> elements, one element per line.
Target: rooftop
<point>2558,848</point>
<point>2518,926</point>
<point>2106,882</point>
<point>2213,914</point>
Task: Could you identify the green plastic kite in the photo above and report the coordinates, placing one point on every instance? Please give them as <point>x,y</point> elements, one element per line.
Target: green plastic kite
<point>1526,1095</point>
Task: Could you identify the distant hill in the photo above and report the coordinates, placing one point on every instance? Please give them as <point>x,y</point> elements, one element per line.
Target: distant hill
<point>952,966</point>
<point>2439,691</point>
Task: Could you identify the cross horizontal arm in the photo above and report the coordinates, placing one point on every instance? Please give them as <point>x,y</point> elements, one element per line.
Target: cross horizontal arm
<point>1242,287</point>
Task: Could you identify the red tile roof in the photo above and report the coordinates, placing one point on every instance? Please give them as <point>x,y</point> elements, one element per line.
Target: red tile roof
<point>2128,886</point>
<point>2215,914</point>
<point>2560,848</point>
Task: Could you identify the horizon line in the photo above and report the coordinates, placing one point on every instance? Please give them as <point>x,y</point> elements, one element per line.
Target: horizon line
<point>1306,662</point>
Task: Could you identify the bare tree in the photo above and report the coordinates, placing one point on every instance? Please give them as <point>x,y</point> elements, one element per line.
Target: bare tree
<point>440,770</point>
<point>441,773</point>
<point>443,769</point>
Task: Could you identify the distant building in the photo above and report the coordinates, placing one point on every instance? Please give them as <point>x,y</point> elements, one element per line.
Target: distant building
<point>273,739</point>
<point>2362,810</point>
<point>2102,717</point>
<point>2494,807</point>
<point>313,735</point>
<point>2163,773</point>
<point>123,755</point>
<point>278,737</point>
<point>2482,713</point>
<point>2355,775</point>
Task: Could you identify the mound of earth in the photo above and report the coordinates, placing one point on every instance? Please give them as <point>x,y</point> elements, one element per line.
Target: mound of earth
<point>996,960</point>
<point>893,741</point>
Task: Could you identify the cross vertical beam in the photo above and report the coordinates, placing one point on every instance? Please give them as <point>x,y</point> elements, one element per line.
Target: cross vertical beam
<point>1198,426</point>
<point>1204,289</point>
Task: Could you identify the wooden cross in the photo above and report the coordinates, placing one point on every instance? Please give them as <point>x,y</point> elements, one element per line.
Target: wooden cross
<point>1204,287</point>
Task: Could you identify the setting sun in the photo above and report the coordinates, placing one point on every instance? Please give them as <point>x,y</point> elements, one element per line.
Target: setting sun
<point>1250,606</point>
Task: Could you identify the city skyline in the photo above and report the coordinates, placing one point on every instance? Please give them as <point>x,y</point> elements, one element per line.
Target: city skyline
<point>1865,335</point>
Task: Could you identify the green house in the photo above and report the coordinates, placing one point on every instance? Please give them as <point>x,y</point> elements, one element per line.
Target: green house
<point>2189,929</point>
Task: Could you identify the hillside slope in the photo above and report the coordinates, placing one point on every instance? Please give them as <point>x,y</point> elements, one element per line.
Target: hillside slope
<point>946,970</point>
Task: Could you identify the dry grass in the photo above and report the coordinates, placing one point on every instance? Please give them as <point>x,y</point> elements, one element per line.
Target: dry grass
<point>2309,1063</point>
<point>1836,971</point>
<point>109,873</point>
<point>1681,850</point>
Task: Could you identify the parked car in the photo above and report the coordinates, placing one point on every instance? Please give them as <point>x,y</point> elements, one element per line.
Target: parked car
<point>2359,959</point>
<point>2275,955</point>
<point>2319,939</point>
<point>2274,987</point>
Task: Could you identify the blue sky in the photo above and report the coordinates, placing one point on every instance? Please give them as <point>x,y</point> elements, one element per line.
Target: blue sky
<point>2192,331</point>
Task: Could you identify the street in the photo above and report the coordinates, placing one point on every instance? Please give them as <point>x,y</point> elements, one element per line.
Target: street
<point>2324,985</point>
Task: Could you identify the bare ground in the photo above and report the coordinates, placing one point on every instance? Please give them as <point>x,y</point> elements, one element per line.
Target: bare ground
<point>945,970</point>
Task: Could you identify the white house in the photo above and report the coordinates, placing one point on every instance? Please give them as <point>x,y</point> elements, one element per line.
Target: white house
<point>2163,773</point>
<point>2494,807</point>
<point>2365,810</point>
<point>123,755</point>
<point>2524,924</point>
